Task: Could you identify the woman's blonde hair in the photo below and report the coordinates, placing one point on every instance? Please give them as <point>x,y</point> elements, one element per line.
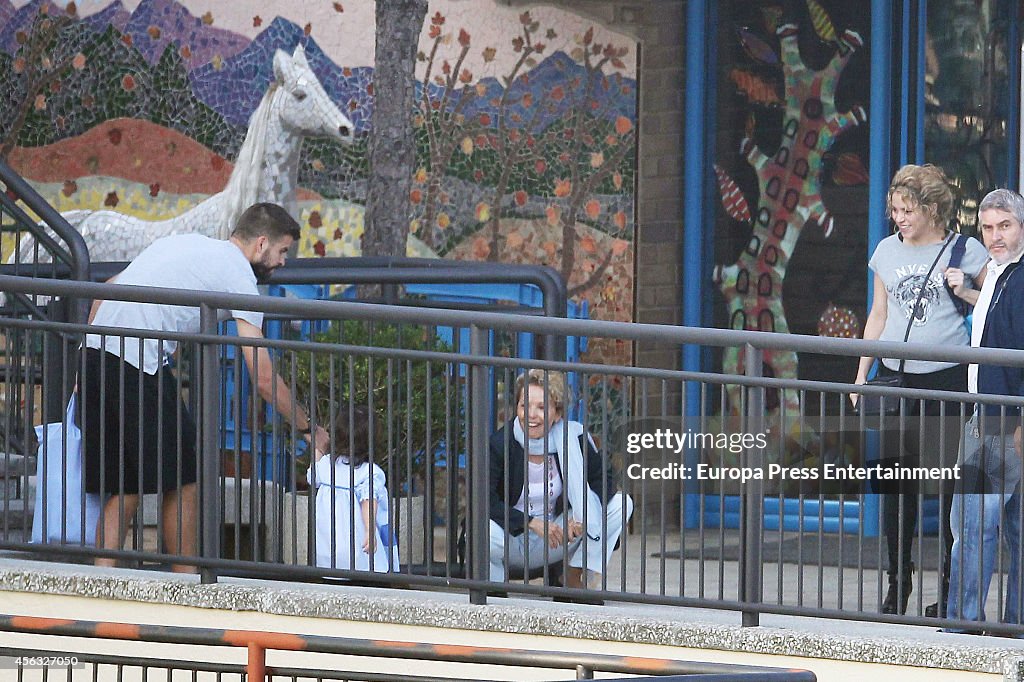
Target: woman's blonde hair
<point>926,188</point>
<point>552,382</point>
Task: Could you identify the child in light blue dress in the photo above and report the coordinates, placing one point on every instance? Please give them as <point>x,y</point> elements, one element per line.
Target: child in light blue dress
<point>351,509</point>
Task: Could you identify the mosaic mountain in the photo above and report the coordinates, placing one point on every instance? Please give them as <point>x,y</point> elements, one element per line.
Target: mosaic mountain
<point>234,89</point>
<point>228,72</point>
<point>151,27</point>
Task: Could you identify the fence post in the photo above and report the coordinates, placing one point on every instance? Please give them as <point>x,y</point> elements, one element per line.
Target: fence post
<point>256,667</point>
<point>57,364</point>
<point>478,522</point>
<point>209,502</point>
<point>752,493</point>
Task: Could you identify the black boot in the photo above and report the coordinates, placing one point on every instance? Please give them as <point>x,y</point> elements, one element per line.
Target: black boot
<point>938,609</point>
<point>899,592</point>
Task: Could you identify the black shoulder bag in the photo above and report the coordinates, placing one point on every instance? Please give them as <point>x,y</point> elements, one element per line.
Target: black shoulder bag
<point>888,406</point>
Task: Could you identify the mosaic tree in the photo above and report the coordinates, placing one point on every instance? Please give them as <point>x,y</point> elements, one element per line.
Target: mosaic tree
<point>789,189</point>
<point>558,145</point>
<point>592,154</point>
<point>47,53</point>
<point>514,142</point>
<point>441,119</point>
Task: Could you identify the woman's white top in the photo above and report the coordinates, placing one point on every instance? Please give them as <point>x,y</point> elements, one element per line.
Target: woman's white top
<point>543,487</point>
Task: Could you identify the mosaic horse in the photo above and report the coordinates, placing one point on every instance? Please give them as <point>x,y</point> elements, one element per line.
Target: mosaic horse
<point>294,107</point>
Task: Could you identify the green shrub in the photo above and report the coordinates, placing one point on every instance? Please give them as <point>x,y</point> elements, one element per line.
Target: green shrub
<point>408,395</point>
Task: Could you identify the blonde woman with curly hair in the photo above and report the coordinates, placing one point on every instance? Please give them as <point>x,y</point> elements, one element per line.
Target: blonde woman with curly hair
<point>912,302</point>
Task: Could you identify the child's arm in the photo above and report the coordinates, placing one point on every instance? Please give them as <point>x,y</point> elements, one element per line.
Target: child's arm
<point>369,508</point>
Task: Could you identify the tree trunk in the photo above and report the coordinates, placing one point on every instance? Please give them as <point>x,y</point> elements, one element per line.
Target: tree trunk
<point>392,142</point>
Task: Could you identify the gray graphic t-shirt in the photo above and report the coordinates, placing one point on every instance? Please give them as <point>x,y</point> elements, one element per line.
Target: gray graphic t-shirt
<point>902,269</point>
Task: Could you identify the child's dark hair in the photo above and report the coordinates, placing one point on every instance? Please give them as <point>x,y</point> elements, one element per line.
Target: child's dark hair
<point>357,431</point>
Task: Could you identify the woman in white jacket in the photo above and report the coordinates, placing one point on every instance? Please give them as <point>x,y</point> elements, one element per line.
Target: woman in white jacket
<point>552,493</point>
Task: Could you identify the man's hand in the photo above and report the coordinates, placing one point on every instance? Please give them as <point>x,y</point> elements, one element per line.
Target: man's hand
<point>1016,440</point>
<point>550,531</point>
<point>319,439</point>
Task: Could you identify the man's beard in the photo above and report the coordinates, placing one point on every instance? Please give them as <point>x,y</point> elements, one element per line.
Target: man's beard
<point>262,272</point>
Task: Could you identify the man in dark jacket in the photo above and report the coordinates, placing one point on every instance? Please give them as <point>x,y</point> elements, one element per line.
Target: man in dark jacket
<point>988,498</point>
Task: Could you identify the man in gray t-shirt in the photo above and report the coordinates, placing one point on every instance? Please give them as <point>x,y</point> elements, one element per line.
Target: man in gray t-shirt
<point>138,436</point>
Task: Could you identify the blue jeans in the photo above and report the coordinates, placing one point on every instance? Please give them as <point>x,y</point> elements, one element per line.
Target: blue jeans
<point>987,503</point>
<point>975,551</point>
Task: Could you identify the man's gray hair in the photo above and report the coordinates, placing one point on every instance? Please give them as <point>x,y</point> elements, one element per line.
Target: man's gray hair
<point>1004,200</point>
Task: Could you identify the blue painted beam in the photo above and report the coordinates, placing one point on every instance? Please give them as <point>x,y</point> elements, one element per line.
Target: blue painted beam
<point>700,33</point>
<point>879,122</point>
<point>1013,92</point>
<point>922,68</point>
<point>696,219</point>
<point>906,94</point>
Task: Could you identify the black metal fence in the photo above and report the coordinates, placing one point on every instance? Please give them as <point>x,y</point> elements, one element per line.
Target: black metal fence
<point>747,493</point>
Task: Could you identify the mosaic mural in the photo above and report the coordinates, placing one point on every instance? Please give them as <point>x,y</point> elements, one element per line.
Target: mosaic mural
<point>526,124</point>
<point>793,121</point>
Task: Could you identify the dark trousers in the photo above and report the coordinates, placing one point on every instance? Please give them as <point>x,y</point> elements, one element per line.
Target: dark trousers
<point>929,437</point>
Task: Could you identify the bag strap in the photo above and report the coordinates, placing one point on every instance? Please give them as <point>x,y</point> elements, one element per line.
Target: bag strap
<point>920,294</point>
<point>956,257</point>
<point>956,254</point>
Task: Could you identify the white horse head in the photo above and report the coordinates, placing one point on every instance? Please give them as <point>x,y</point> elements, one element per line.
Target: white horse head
<point>308,111</point>
<point>294,107</point>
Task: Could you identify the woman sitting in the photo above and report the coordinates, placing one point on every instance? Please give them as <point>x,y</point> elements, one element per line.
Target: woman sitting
<point>552,493</point>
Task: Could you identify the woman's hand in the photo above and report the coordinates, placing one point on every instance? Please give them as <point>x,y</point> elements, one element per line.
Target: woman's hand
<point>552,532</point>
<point>370,543</point>
<point>855,397</point>
<point>575,529</point>
<point>956,279</point>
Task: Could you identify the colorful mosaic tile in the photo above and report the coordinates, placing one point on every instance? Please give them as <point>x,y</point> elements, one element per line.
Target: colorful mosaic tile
<point>160,116</point>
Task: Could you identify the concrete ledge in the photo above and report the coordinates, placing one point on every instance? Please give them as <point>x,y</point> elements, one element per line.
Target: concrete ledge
<point>870,643</point>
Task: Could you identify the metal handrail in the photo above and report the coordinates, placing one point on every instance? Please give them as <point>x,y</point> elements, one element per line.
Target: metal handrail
<point>359,270</point>
<point>394,271</point>
<point>79,252</point>
<point>257,643</point>
<point>478,362</point>
<point>518,323</point>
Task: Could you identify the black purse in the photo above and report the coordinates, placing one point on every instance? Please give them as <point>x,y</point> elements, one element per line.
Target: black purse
<point>871,405</point>
<point>889,405</point>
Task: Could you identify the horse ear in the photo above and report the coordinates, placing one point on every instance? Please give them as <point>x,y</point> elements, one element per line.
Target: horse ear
<point>299,57</point>
<point>282,66</point>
